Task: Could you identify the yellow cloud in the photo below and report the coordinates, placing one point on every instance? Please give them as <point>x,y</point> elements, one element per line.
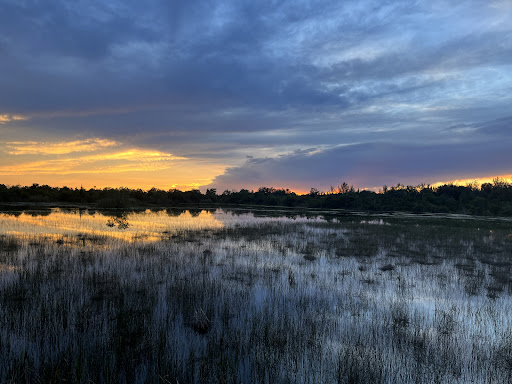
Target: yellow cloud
<point>8,118</point>
<point>137,155</point>
<point>60,148</point>
<point>100,162</point>
<point>126,161</point>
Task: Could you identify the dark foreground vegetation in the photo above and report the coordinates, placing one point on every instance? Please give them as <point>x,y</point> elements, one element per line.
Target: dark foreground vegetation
<point>487,199</point>
<point>261,300</point>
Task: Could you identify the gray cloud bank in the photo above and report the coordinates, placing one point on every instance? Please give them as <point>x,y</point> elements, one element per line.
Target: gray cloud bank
<point>373,165</point>
<point>389,91</point>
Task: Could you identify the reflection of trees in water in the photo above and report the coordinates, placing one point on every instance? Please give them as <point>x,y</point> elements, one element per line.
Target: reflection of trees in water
<point>177,212</point>
<point>15,214</point>
<point>120,221</point>
<point>46,212</point>
<point>174,212</point>
<point>31,212</point>
<point>195,212</point>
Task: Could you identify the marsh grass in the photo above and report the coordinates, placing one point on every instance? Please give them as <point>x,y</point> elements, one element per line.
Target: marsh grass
<point>259,300</point>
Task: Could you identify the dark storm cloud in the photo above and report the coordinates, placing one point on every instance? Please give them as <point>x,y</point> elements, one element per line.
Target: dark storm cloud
<point>200,77</point>
<point>370,165</point>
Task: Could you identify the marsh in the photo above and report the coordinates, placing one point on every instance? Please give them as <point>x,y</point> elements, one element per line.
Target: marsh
<point>229,296</point>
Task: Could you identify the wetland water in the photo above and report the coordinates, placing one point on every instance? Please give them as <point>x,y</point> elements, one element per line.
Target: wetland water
<point>253,297</point>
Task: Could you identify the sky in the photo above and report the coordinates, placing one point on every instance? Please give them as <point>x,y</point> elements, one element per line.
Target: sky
<point>242,94</point>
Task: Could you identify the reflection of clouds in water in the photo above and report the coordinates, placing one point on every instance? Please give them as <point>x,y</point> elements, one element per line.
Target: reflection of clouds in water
<point>147,225</point>
<point>8,268</point>
<point>230,219</point>
<point>374,222</point>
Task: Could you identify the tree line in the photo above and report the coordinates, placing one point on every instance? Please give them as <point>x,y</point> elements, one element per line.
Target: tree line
<point>487,199</point>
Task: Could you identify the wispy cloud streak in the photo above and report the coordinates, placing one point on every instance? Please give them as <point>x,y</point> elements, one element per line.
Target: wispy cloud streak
<point>60,148</point>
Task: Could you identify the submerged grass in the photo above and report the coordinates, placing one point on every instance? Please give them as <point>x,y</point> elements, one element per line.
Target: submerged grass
<point>261,301</point>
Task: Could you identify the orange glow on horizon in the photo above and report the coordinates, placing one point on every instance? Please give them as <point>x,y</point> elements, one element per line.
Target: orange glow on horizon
<point>132,182</point>
<point>159,182</point>
<point>478,181</point>
<point>101,163</point>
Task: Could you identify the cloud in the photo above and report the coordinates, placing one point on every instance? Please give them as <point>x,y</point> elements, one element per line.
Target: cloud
<point>495,128</point>
<point>369,165</point>
<point>60,148</point>
<point>235,53</point>
<point>4,119</point>
<point>85,156</point>
<point>499,127</point>
<point>126,161</point>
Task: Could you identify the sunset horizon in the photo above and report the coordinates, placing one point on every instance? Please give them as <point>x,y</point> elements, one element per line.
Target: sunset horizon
<point>474,183</point>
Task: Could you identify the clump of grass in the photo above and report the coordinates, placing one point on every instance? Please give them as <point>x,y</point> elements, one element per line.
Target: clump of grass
<point>387,268</point>
<point>200,322</point>
<point>8,244</point>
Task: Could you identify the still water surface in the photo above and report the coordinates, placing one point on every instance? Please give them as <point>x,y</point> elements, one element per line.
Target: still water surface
<point>147,225</point>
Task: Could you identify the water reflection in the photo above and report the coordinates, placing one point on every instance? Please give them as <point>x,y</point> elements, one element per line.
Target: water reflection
<point>147,225</point>
<point>129,226</point>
